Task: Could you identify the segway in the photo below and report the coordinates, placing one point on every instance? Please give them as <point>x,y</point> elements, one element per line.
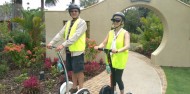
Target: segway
<point>66,86</point>
<point>106,89</point>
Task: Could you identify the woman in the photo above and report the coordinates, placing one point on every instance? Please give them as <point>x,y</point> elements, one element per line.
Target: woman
<point>118,40</point>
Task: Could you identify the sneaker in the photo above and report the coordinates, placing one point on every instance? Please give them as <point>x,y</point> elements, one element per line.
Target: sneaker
<point>73,90</point>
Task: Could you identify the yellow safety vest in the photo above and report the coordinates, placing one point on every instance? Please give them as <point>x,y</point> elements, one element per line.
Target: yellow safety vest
<point>119,60</point>
<point>80,44</point>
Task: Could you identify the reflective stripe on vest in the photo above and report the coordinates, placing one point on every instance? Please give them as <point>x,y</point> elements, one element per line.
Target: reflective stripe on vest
<point>119,60</point>
<point>79,45</point>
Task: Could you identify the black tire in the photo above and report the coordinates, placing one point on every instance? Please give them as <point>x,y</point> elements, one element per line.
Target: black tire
<point>83,91</point>
<point>106,89</point>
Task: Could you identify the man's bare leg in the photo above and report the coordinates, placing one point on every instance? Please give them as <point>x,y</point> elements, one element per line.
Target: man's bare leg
<point>80,78</point>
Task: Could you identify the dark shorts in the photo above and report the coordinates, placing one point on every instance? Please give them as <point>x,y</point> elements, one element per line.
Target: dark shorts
<point>75,63</point>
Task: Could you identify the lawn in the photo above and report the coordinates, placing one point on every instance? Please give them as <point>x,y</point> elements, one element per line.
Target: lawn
<point>178,80</point>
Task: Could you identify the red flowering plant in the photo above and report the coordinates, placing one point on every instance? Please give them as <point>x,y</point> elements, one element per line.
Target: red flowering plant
<point>91,68</point>
<point>19,55</point>
<point>90,52</point>
<point>31,86</point>
<point>47,64</point>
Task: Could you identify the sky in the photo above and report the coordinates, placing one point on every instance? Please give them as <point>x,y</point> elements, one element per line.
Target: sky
<point>33,4</point>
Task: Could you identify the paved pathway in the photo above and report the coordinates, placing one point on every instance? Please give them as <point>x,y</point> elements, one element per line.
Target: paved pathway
<point>139,77</point>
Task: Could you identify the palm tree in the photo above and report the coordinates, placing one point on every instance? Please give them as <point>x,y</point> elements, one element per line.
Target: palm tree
<point>17,7</point>
<point>16,10</point>
<point>47,3</point>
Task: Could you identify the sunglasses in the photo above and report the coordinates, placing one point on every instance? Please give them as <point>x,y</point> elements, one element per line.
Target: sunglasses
<point>116,20</point>
<point>74,11</point>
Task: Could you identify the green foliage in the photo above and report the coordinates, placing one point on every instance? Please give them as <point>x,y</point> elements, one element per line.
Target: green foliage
<point>19,79</point>
<point>38,57</point>
<point>18,54</point>
<point>178,80</point>
<point>132,19</point>
<point>54,71</point>
<point>136,47</point>
<point>50,83</point>
<point>3,69</point>
<point>133,16</point>
<point>2,87</point>
<point>5,10</point>
<point>186,1</point>
<point>22,38</point>
<point>4,35</point>
<point>134,38</point>
<point>86,3</point>
<point>152,31</point>
<point>33,24</point>
<point>51,2</point>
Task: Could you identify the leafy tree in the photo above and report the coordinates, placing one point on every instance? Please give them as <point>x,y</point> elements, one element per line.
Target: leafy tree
<point>152,31</point>
<point>186,1</point>
<point>132,19</point>
<point>86,3</point>
<point>133,16</point>
<point>5,11</point>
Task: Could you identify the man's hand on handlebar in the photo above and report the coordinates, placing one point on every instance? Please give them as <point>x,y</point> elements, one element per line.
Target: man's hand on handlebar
<point>49,46</point>
<point>58,48</point>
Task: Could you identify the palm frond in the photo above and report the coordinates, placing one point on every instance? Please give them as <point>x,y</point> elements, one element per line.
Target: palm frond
<point>50,2</point>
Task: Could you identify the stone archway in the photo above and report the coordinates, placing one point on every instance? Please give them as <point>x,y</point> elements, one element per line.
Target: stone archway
<point>174,49</point>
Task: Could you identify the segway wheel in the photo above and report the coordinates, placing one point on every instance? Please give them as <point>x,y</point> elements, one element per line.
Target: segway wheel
<point>106,89</point>
<point>63,87</point>
<point>83,91</point>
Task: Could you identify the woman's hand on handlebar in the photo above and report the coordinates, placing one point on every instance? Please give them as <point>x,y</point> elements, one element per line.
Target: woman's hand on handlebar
<point>114,51</point>
<point>96,47</point>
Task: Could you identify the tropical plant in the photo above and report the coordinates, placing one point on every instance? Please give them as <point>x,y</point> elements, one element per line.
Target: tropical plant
<point>3,69</point>
<point>90,52</point>
<point>2,88</point>
<point>50,83</point>
<point>54,71</point>
<point>31,86</point>
<point>91,68</point>
<point>186,1</point>
<point>4,35</point>
<point>5,11</point>
<point>47,64</point>
<point>38,57</point>
<point>152,31</point>
<point>19,79</point>
<point>22,38</point>
<point>17,7</point>
<point>86,3</point>
<point>18,53</point>
<point>32,23</point>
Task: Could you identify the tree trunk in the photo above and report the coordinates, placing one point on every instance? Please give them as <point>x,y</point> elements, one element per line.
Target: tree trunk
<point>17,7</point>
<point>73,1</point>
<point>42,9</point>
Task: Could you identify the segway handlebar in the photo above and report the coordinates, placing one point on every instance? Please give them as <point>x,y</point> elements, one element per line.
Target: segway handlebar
<point>63,65</point>
<point>107,51</point>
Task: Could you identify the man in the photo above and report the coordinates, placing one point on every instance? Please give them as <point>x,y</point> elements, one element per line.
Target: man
<point>74,34</point>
